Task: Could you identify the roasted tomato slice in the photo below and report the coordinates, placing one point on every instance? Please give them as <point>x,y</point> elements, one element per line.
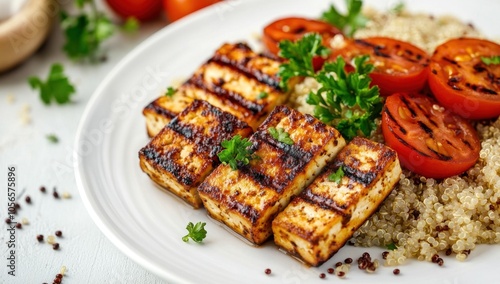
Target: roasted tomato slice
<point>430,140</point>
<point>462,82</point>
<point>399,66</point>
<point>294,28</point>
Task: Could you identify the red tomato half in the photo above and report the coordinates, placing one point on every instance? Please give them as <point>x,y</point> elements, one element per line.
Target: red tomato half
<point>142,10</point>
<point>176,9</point>
<point>462,82</point>
<point>399,66</point>
<point>294,28</point>
<point>429,140</point>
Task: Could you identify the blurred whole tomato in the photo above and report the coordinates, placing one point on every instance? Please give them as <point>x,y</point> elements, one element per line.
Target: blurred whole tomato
<point>176,9</point>
<point>142,10</point>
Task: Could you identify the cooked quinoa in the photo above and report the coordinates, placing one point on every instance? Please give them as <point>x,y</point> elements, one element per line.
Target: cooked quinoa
<point>424,216</point>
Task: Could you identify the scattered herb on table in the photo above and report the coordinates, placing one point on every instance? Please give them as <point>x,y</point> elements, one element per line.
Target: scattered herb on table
<point>196,232</point>
<point>491,59</point>
<point>86,31</point>
<point>280,135</point>
<point>398,8</point>
<point>348,23</point>
<point>170,92</point>
<point>57,87</point>
<point>52,138</point>
<point>337,175</point>
<point>300,57</point>
<point>236,151</point>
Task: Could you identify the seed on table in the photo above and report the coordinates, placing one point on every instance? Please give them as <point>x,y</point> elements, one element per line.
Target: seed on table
<point>51,240</point>
<point>43,189</point>
<point>66,195</point>
<point>55,246</point>
<point>55,194</point>
<point>19,225</point>
<point>63,270</point>
<point>17,205</point>
<point>396,271</point>
<point>341,274</point>
<point>330,270</point>
<point>27,199</point>
<point>435,258</point>
<point>338,264</point>
<point>322,275</point>
<point>57,280</point>
<point>385,254</point>
<point>8,221</point>
<point>267,271</point>
<point>58,233</point>
<point>25,221</point>
<point>39,238</point>
<point>348,260</point>
<point>440,261</point>
<point>59,275</point>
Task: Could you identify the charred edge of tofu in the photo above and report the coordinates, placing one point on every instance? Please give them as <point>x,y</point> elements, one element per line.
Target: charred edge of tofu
<point>241,57</point>
<point>201,128</point>
<point>268,183</point>
<point>374,178</point>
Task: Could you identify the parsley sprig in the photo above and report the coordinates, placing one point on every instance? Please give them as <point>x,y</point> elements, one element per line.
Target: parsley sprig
<point>196,232</point>
<point>86,31</point>
<point>337,175</point>
<point>491,59</point>
<point>236,151</point>
<point>346,100</point>
<point>300,56</point>
<point>57,87</point>
<point>350,22</point>
<point>280,135</point>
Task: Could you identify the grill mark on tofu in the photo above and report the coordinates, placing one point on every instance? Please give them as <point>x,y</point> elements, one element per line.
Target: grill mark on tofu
<point>154,106</point>
<point>185,151</point>
<point>165,161</point>
<point>225,55</point>
<point>216,90</point>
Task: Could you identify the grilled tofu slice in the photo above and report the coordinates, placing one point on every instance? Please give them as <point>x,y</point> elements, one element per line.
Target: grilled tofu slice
<point>185,151</point>
<point>318,222</point>
<point>248,199</point>
<point>235,79</point>
<point>159,112</point>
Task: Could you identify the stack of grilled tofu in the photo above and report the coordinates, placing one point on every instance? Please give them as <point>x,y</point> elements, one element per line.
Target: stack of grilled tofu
<point>237,93</point>
<point>236,80</point>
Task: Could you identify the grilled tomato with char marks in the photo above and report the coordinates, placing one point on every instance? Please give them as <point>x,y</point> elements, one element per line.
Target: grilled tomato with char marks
<point>399,66</point>
<point>429,139</point>
<point>462,81</point>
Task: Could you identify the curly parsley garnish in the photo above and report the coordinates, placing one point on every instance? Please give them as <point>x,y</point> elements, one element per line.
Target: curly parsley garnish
<point>346,100</point>
<point>491,60</point>
<point>236,151</point>
<point>348,23</point>
<point>280,135</point>
<point>196,232</point>
<point>336,176</point>
<point>57,87</point>
<point>300,55</point>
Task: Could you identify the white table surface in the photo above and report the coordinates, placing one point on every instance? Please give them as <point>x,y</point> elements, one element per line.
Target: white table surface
<point>87,254</point>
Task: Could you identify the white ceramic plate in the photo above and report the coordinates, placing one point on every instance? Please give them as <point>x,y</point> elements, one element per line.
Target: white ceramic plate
<point>147,224</point>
